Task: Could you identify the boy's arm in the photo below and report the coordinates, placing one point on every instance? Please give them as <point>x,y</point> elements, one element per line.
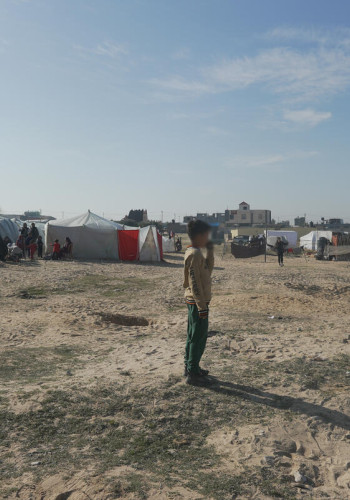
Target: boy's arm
<point>196,285</point>
<point>210,257</point>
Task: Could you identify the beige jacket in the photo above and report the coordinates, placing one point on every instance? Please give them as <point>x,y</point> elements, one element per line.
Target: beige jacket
<point>197,277</point>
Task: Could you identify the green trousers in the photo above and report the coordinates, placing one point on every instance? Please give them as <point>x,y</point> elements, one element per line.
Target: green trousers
<point>197,333</point>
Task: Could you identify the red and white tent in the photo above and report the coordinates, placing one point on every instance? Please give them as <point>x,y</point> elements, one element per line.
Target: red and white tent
<point>144,244</point>
<point>94,237</point>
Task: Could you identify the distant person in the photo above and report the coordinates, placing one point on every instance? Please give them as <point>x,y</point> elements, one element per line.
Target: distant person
<point>33,232</point>
<point>40,244</point>
<point>280,250</point>
<point>3,249</point>
<point>67,248</point>
<point>197,284</point>
<point>32,248</point>
<point>56,250</point>
<point>24,230</point>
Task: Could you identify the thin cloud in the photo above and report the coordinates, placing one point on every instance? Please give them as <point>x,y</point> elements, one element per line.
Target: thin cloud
<point>181,54</point>
<point>295,74</point>
<point>106,49</point>
<point>309,35</point>
<point>307,117</point>
<point>267,161</point>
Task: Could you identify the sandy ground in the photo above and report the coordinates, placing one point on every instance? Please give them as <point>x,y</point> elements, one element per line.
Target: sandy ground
<point>94,405</point>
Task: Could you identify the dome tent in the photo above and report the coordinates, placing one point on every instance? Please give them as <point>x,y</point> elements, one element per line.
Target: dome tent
<point>8,228</point>
<point>93,237</point>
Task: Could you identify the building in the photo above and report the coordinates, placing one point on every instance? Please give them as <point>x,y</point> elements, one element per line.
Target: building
<point>216,218</point>
<point>335,222</point>
<point>137,215</point>
<point>29,216</point>
<point>245,216</point>
<point>300,221</point>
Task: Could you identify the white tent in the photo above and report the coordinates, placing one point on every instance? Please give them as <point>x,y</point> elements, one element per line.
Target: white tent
<point>8,228</point>
<point>149,250</point>
<point>309,241</point>
<point>93,237</point>
<point>290,236</point>
<point>168,244</point>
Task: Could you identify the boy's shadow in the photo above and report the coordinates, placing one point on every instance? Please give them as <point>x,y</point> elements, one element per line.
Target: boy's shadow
<point>296,405</point>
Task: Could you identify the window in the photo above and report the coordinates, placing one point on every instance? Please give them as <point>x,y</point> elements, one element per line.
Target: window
<point>260,217</point>
<point>243,216</point>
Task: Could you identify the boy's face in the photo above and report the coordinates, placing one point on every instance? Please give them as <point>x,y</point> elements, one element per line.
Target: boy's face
<point>201,240</point>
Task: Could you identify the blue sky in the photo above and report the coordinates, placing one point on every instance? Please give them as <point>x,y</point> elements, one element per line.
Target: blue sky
<point>175,106</point>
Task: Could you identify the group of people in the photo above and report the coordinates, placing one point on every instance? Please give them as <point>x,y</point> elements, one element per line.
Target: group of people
<point>29,242</point>
<point>59,252</point>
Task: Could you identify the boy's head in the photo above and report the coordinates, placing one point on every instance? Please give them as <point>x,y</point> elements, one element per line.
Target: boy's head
<point>199,232</point>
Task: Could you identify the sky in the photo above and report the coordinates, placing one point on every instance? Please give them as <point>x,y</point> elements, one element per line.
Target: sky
<point>177,107</point>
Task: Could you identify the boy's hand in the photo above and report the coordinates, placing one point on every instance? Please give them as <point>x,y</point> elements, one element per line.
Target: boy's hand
<point>210,245</point>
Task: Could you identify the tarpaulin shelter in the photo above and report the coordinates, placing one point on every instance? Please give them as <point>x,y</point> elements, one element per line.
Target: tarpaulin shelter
<point>310,240</point>
<point>93,237</point>
<point>8,228</point>
<point>290,236</point>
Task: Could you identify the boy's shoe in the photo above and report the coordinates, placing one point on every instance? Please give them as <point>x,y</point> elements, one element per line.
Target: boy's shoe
<point>197,379</point>
<point>202,373</point>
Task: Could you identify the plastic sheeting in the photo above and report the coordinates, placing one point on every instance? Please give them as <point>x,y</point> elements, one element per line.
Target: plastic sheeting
<point>93,237</point>
<point>9,228</point>
<point>128,244</point>
<point>168,244</point>
<point>148,245</point>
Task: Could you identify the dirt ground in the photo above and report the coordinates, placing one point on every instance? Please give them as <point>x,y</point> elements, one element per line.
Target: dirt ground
<point>94,405</point>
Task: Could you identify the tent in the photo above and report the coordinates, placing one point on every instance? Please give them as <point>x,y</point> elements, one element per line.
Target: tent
<point>290,236</point>
<point>168,244</point>
<point>309,241</point>
<point>144,244</point>
<point>93,237</point>
<point>8,228</point>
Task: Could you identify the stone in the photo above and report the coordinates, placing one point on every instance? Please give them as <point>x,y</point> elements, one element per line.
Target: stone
<point>299,478</point>
<point>268,460</point>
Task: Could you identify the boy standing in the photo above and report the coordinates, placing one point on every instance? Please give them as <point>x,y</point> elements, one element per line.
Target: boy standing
<point>197,284</point>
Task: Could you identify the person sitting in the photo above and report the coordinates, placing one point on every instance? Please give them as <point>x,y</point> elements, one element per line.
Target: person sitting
<point>67,248</point>
<point>56,250</point>
<point>7,241</point>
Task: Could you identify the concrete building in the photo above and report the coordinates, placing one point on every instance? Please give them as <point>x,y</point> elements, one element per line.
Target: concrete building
<point>245,216</point>
<point>138,215</point>
<point>300,221</point>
